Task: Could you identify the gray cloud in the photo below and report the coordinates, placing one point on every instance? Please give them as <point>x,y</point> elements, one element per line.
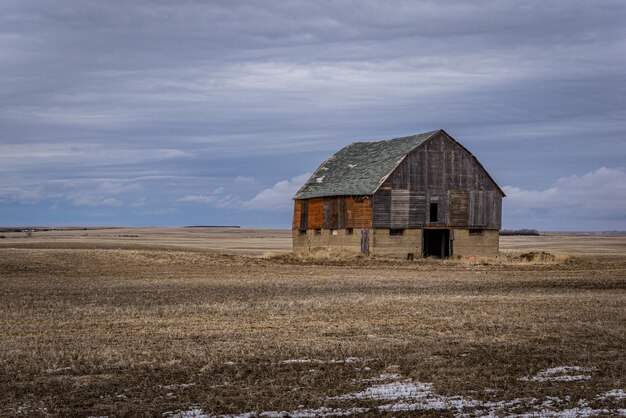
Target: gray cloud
<point>598,197</point>
<point>202,93</point>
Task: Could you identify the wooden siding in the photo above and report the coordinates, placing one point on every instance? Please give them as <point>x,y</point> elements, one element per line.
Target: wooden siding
<point>381,209</point>
<point>335,214</point>
<point>444,172</point>
<point>315,216</point>
<point>359,213</point>
<point>417,208</point>
<point>304,215</point>
<point>399,208</point>
<point>440,164</point>
<point>297,213</point>
<point>459,208</point>
<point>484,209</point>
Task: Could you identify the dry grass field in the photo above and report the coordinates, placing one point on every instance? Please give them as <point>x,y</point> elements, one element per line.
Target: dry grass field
<point>156,322</point>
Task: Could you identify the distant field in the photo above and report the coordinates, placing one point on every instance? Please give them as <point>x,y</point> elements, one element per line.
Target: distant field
<point>263,241</point>
<point>155,322</point>
<point>227,240</point>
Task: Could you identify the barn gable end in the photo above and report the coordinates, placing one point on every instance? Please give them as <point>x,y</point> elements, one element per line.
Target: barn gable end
<point>444,172</point>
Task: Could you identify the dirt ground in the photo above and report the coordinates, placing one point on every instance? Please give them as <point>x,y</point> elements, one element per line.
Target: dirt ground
<point>155,322</point>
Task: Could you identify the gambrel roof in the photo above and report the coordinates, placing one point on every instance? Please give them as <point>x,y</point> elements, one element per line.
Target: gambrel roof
<point>361,167</point>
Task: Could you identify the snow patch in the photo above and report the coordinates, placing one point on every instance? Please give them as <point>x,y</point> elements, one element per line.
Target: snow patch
<point>320,412</point>
<point>194,412</point>
<point>413,396</point>
<point>613,395</point>
<point>391,391</point>
<point>567,413</point>
<point>320,179</point>
<point>560,374</point>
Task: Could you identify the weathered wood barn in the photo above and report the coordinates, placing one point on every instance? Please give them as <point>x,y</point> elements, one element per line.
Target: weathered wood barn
<point>421,195</point>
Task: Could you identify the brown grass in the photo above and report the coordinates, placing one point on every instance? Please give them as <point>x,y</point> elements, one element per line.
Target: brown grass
<point>112,332</point>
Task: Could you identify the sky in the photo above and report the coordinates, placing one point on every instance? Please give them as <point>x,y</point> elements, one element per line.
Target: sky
<point>168,113</point>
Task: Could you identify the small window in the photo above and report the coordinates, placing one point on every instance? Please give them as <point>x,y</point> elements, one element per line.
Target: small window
<point>396,232</point>
<point>302,232</point>
<point>318,231</point>
<point>349,231</point>
<point>333,232</point>
<point>434,215</point>
<point>475,231</point>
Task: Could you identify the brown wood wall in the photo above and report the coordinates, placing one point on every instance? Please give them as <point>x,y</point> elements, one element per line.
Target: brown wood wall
<point>315,219</point>
<point>297,213</point>
<point>333,213</point>
<point>359,212</point>
<point>439,172</point>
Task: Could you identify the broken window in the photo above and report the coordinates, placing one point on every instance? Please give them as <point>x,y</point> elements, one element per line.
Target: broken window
<point>396,232</point>
<point>318,231</point>
<point>475,231</point>
<point>349,231</point>
<point>434,215</point>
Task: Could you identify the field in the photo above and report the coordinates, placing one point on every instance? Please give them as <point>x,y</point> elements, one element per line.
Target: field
<point>194,322</point>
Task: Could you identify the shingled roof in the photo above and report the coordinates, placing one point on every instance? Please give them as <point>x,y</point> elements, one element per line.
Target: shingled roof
<point>360,168</point>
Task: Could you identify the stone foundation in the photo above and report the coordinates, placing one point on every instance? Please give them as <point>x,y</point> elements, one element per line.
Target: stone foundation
<point>485,245</point>
<point>324,239</point>
<point>382,243</point>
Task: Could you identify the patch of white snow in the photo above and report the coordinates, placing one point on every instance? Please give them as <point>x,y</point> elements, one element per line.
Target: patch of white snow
<point>614,395</point>
<point>391,391</point>
<point>559,374</point>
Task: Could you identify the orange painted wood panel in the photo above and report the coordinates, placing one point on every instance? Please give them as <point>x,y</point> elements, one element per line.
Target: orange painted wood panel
<point>316,213</point>
<point>359,213</point>
<point>297,211</point>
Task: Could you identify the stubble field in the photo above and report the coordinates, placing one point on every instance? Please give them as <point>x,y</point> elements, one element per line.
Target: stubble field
<point>137,325</point>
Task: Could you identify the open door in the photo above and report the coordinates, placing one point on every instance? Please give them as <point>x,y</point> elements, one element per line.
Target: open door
<point>436,243</point>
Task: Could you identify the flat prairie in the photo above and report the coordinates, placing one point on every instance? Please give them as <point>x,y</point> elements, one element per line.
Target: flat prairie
<point>195,322</point>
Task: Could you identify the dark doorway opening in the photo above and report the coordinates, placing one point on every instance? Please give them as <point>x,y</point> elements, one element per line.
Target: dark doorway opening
<point>437,243</point>
<point>434,215</point>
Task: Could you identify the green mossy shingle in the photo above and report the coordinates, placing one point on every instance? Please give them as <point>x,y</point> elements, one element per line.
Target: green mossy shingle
<point>359,168</point>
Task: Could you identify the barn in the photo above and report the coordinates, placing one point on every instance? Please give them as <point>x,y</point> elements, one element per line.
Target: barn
<point>416,196</point>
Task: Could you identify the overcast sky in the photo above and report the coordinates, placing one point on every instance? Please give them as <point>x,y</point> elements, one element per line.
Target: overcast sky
<point>214,112</point>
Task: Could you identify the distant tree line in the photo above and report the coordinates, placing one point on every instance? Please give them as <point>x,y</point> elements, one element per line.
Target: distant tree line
<point>519,232</point>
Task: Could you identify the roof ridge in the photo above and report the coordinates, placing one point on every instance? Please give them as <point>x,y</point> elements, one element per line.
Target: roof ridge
<point>429,133</point>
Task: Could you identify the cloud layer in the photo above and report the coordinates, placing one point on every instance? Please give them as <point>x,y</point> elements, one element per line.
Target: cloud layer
<point>596,198</point>
<point>180,99</point>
